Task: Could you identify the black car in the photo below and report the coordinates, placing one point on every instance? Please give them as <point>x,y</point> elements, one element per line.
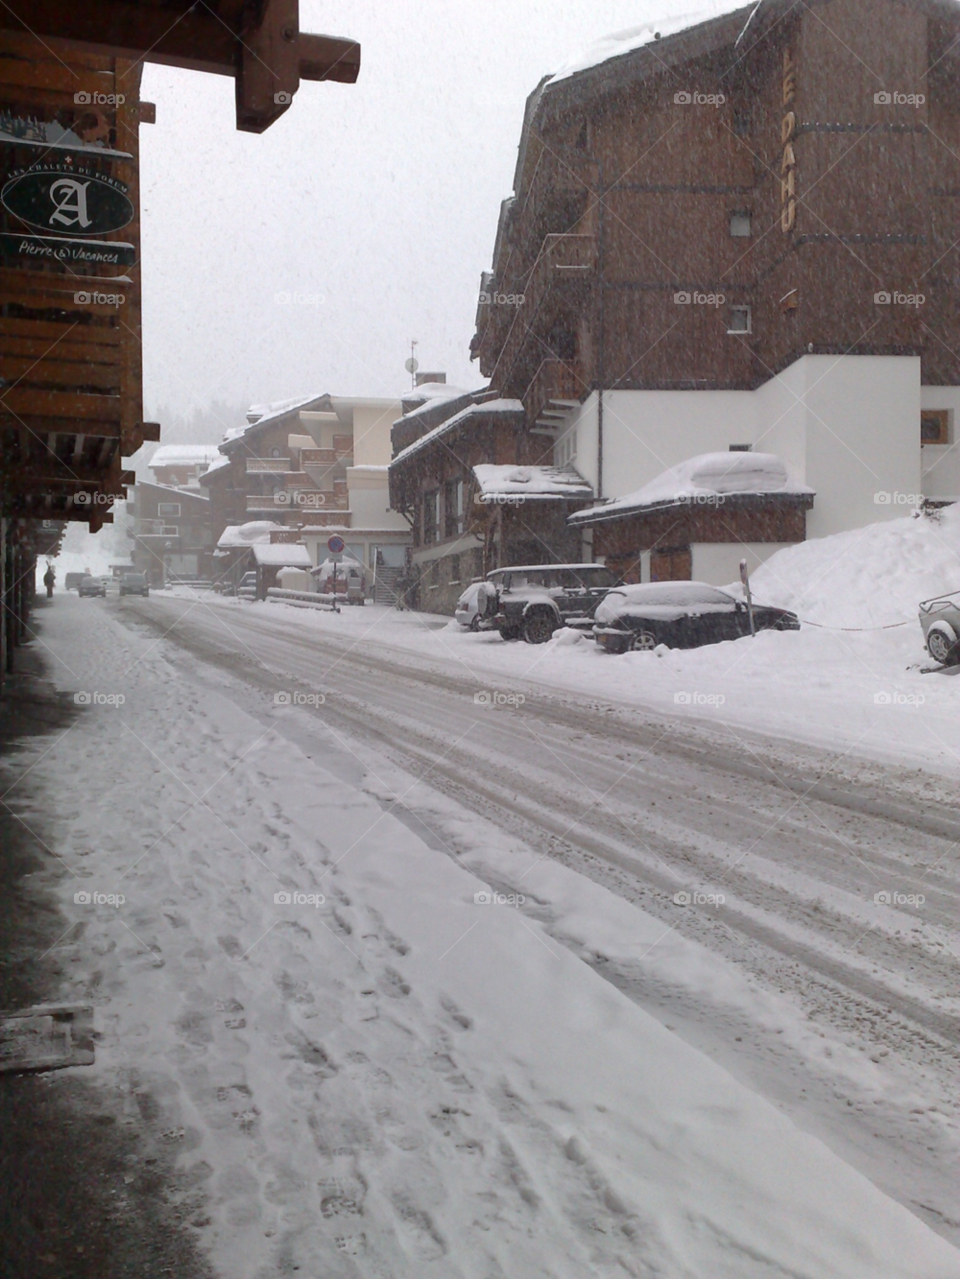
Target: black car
<point>679,615</point>
<point>134,584</point>
<point>91,586</point>
<point>534,600</point>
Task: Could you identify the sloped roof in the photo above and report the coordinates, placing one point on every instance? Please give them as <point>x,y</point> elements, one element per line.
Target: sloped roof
<point>253,533</point>
<point>183,455</point>
<point>489,408</point>
<point>706,477</point>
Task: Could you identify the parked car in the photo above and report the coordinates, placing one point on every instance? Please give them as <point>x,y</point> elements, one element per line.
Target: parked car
<point>72,581</point>
<point>534,600</point>
<point>680,615</point>
<point>466,612</point>
<point>134,584</point>
<point>940,623</point>
<point>344,578</point>
<point>91,586</point>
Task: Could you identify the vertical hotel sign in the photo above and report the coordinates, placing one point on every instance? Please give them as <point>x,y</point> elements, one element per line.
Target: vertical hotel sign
<point>788,158</point>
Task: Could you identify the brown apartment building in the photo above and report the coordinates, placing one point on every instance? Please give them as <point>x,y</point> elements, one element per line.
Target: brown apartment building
<point>739,235</point>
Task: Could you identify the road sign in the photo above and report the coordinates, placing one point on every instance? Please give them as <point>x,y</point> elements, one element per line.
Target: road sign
<point>335,545</point>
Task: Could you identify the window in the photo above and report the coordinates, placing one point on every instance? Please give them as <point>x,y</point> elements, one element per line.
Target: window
<point>740,448</point>
<point>453,521</point>
<point>739,320</point>
<point>740,224</point>
<point>168,509</point>
<point>431,516</point>
<point>935,426</point>
<point>274,452</point>
<point>454,570</point>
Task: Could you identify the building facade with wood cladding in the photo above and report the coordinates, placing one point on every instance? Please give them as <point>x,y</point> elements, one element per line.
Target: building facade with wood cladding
<point>70,334</point>
<point>741,235</point>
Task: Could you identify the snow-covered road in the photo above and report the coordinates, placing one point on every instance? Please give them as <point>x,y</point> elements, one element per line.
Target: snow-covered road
<point>526,1153</point>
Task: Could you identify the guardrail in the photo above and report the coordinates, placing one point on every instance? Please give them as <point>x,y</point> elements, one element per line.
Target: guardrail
<point>305,599</point>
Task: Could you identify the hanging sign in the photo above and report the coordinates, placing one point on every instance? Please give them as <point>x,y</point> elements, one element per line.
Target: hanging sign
<point>788,159</point>
<point>67,199</point>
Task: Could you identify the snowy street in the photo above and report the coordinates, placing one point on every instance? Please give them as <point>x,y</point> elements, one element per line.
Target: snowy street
<point>580,1076</point>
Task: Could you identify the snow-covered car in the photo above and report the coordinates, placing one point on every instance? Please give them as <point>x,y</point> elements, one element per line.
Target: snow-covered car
<point>680,615</point>
<point>344,577</point>
<point>91,586</point>
<point>134,584</point>
<point>466,613</point>
<point>534,600</point>
<point>940,623</point>
<point>72,581</point>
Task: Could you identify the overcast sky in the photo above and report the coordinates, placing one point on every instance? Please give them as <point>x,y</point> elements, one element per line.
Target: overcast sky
<point>380,199</point>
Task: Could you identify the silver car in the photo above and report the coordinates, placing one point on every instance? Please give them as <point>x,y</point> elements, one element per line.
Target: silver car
<point>940,622</point>
<point>466,612</point>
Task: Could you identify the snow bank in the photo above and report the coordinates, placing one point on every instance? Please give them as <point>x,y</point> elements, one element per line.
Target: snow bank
<point>870,576</point>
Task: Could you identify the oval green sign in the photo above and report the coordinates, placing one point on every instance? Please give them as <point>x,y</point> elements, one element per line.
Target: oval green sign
<point>67,201</point>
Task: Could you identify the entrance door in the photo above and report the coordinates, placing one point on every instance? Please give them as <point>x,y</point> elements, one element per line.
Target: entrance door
<point>671,564</point>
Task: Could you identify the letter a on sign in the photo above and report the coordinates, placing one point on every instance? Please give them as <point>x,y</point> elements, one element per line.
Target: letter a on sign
<point>70,197</point>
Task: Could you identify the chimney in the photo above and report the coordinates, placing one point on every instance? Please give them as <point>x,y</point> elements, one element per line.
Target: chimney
<point>430,377</point>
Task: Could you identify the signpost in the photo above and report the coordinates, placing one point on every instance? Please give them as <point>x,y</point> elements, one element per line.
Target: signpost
<point>336,546</point>
<point>745,579</point>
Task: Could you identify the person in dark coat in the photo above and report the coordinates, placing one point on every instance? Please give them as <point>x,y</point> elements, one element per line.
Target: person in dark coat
<point>49,578</point>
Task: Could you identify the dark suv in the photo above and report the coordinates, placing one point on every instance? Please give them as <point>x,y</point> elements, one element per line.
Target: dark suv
<point>134,584</point>
<point>534,600</point>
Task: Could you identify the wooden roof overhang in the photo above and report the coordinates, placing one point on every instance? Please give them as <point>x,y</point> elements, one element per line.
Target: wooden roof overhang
<point>258,42</point>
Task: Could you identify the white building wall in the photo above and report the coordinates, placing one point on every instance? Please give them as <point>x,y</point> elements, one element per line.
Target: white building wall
<point>846,426</point>
<point>719,562</point>
<point>371,432</point>
<point>369,495</point>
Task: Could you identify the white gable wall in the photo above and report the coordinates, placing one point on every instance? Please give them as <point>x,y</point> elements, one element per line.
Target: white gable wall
<point>846,426</point>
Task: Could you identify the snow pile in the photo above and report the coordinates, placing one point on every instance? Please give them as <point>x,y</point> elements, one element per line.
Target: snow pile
<point>870,576</point>
<point>657,26</point>
<point>252,533</point>
<point>530,481</point>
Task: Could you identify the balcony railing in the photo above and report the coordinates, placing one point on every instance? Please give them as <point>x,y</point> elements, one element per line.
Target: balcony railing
<point>267,465</point>
<point>157,528</point>
<point>299,500</point>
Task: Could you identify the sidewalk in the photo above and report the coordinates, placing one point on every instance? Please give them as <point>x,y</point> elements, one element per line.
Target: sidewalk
<point>84,1197</point>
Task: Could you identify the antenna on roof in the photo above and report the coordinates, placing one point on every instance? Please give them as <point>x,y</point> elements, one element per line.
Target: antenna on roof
<point>413,363</point>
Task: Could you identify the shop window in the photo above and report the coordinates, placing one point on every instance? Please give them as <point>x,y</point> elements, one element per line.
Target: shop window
<point>454,570</point>
<point>935,426</point>
<point>168,509</point>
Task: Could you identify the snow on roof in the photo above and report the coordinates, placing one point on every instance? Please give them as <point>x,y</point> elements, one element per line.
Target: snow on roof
<point>268,413</point>
<point>530,481</point>
<point>657,25</point>
<point>490,406</point>
<point>706,475</point>
<point>282,554</point>
<point>183,455</point>
<point>252,533</point>
<point>218,463</point>
<point>434,391</point>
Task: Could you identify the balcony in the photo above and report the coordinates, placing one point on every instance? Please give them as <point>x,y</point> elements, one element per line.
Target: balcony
<point>267,465</point>
<point>565,263</point>
<point>157,528</point>
<point>300,500</point>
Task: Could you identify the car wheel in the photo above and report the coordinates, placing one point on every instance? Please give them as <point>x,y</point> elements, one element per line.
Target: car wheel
<point>643,642</point>
<point>538,626</point>
<point>509,632</point>
<point>941,644</point>
<point>474,624</point>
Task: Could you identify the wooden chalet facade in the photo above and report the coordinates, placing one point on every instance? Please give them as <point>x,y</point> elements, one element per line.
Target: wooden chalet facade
<point>742,234</point>
<point>465,473</point>
<point>70,333</point>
